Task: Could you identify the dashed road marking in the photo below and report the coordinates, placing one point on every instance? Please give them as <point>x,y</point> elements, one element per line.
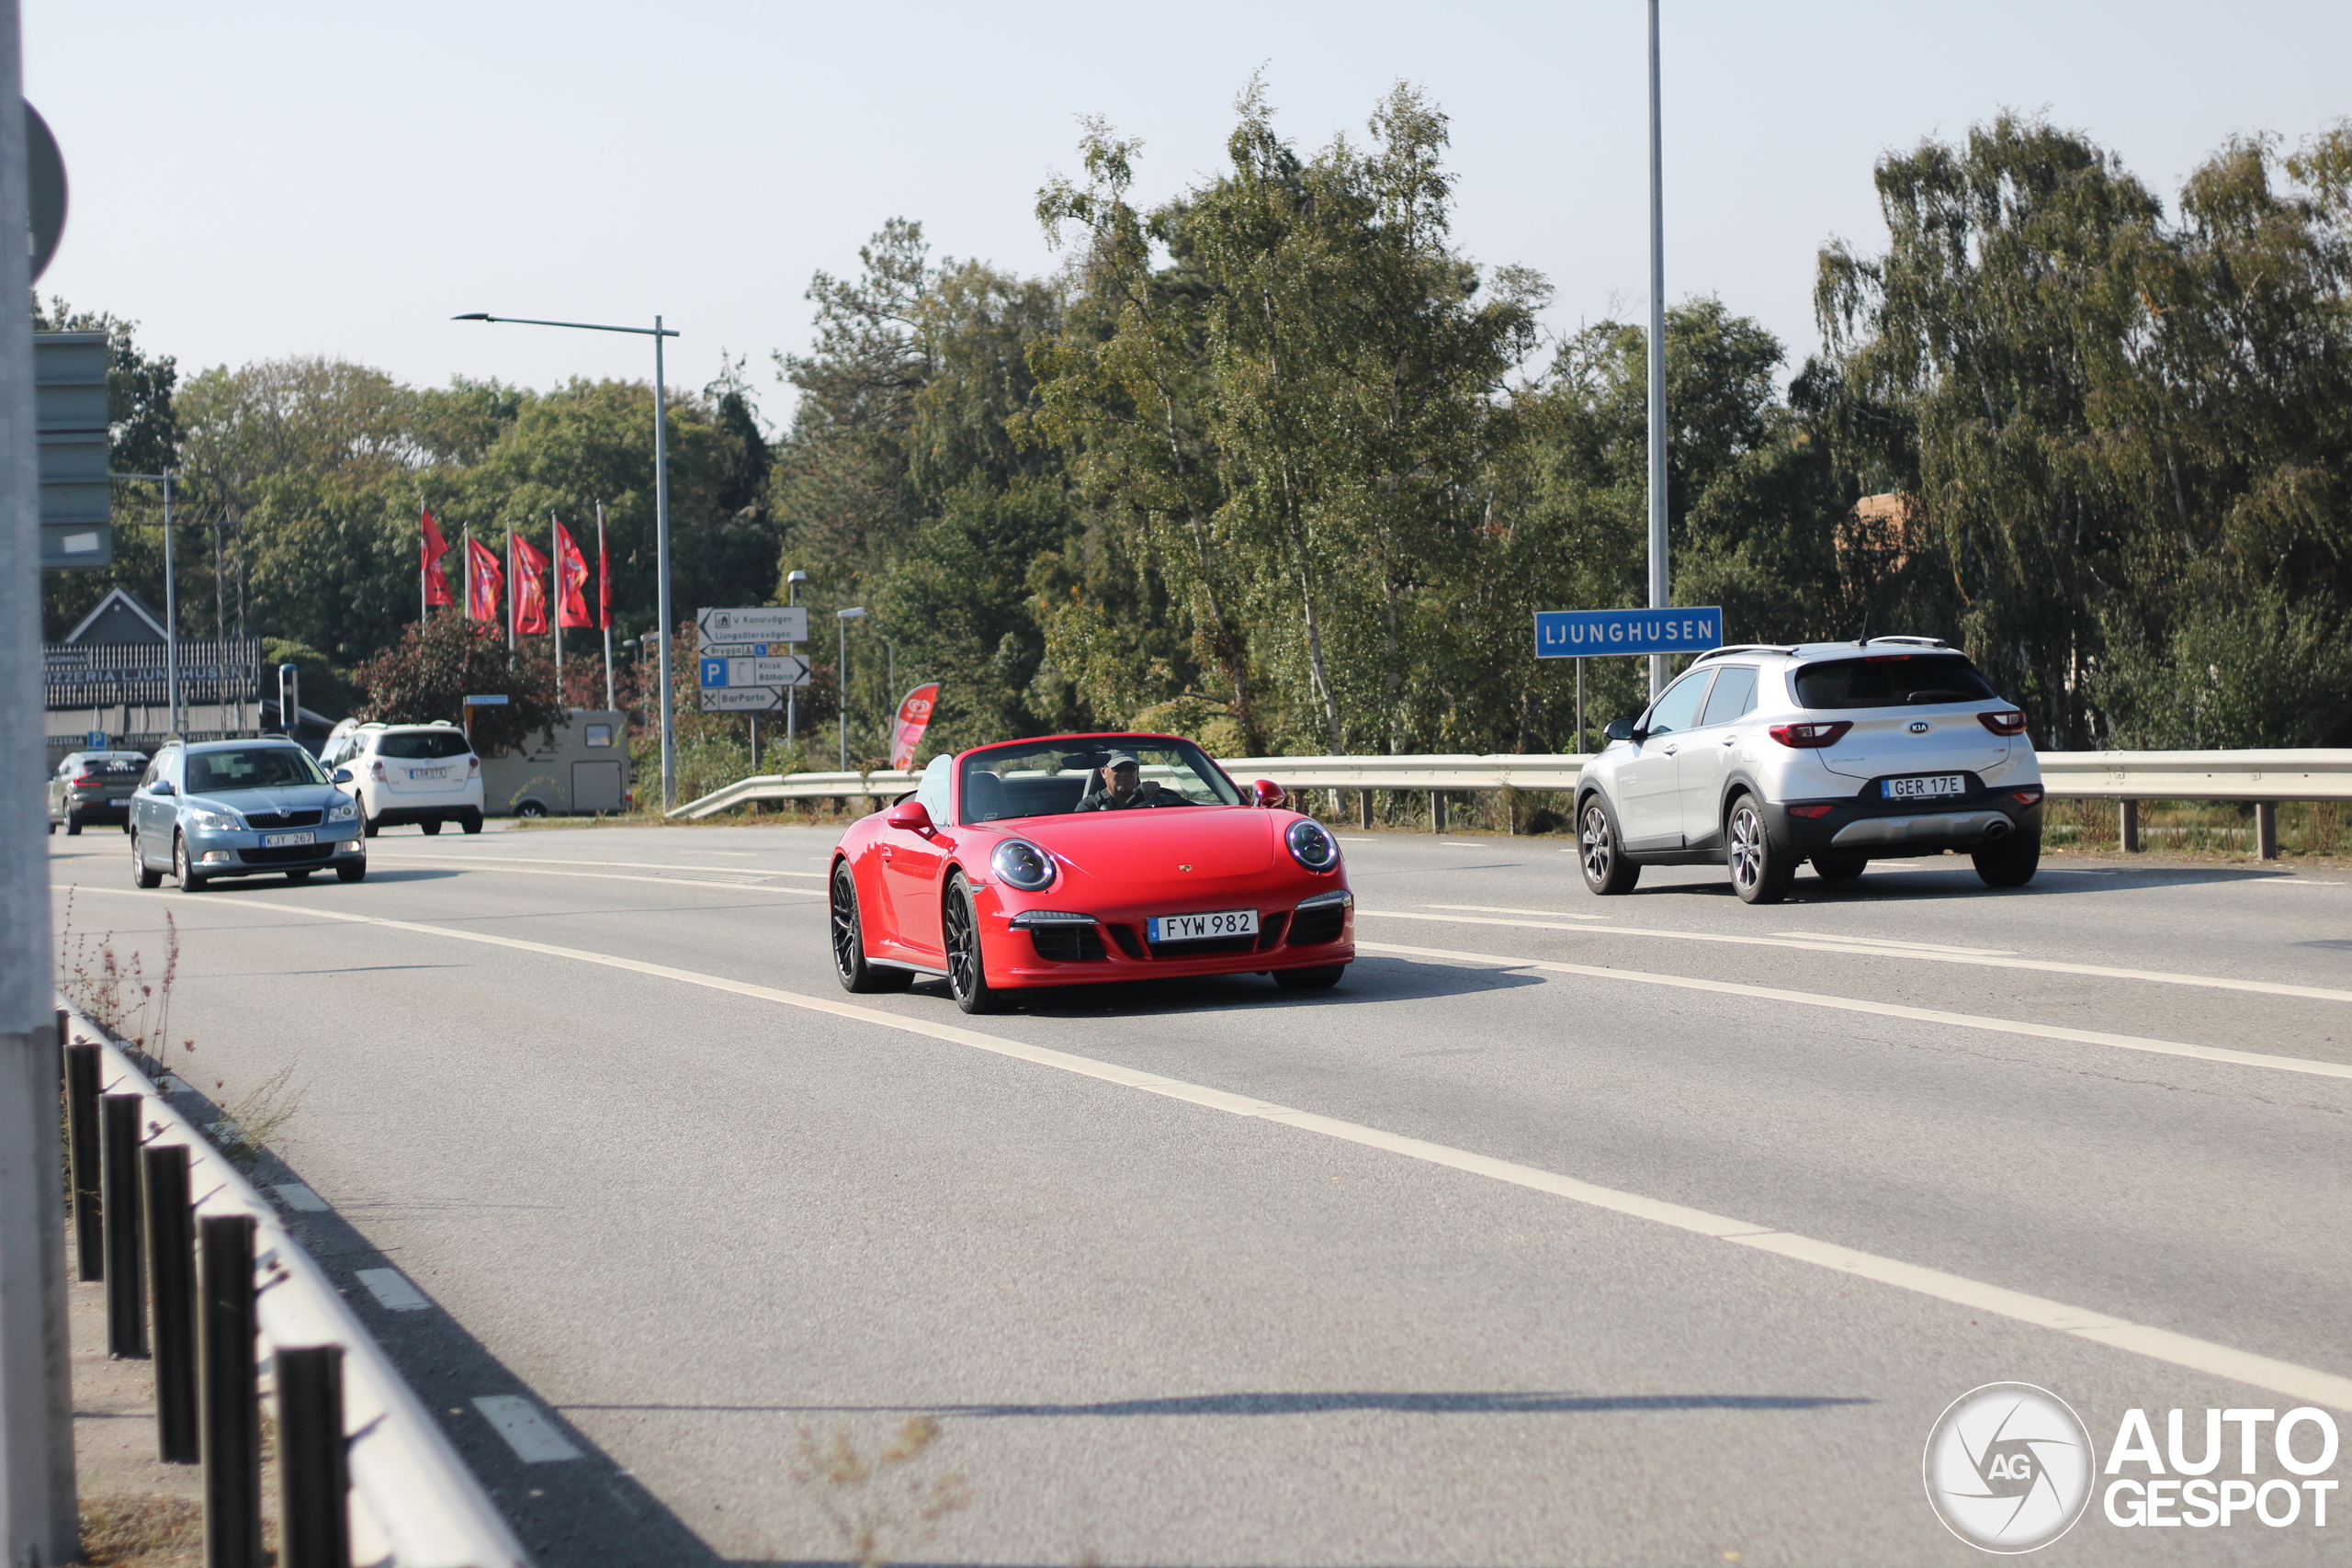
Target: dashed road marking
<point>616,876</point>
<point>391,1290</point>
<point>1500,909</point>
<point>2309,1384</point>
<point>1906,946</point>
<point>527,1432</point>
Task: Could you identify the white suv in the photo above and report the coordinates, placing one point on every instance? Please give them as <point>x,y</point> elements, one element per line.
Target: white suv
<point>1760,758</point>
<point>424,773</point>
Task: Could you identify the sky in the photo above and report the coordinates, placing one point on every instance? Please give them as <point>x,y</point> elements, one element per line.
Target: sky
<point>252,180</point>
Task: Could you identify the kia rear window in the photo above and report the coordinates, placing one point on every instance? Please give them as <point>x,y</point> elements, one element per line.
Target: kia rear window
<point>423,746</point>
<point>1891,680</point>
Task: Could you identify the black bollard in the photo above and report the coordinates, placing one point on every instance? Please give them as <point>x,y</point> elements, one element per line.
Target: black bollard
<point>171,1269</point>
<point>232,1402</point>
<point>120,1206</point>
<point>314,1477</point>
<point>82,1127</point>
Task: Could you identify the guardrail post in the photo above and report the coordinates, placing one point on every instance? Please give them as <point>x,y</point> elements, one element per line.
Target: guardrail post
<point>1363,809</point>
<point>313,1474</point>
<point>1437,811</point>
<point>118,1208</point>
<point>2128,830</point>
<point>231,1404</point>
<point>2266,829</point>
<point>171,1273</point>
<point>82,1127</point>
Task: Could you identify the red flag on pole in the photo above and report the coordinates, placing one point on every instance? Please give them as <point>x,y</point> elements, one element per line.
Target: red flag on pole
<point>530,588</point>
<point>485,582</point>
<point>571,579</point>
<point>436,580</point>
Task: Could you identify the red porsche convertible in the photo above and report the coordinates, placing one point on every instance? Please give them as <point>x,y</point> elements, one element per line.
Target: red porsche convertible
<point>1082,859</point>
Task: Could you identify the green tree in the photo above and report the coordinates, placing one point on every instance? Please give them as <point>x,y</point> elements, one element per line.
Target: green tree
<point>427,674</point>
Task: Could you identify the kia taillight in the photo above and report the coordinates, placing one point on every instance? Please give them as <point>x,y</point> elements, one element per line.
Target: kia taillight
<point>1811,812</point>
<point>2003,721</point>
<point>2029,796</point>
<point>1811,737</point>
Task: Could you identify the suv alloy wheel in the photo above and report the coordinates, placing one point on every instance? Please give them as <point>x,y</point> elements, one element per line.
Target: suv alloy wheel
<point>1606,870</point>
<point>1759,873</point>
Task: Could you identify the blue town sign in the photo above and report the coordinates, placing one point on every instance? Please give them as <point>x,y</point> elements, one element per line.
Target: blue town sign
<point>1593,633</point>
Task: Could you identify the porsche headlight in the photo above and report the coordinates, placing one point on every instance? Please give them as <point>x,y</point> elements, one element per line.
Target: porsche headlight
<point>212,821</point>
<point>1024,865</point>
<point>1312,847</point>
<point>342,812</point>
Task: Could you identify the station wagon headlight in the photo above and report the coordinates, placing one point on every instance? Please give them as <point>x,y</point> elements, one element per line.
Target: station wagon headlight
<point>344,813</point>
<point>213,821</point>
<point>1311,847</point>
<point>1024,865</point>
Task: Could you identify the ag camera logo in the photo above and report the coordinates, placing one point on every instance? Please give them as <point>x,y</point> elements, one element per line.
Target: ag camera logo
<point>2008,1467</point>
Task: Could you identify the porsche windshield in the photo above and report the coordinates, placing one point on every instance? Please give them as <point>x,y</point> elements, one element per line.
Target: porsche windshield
<point>1051,779</point>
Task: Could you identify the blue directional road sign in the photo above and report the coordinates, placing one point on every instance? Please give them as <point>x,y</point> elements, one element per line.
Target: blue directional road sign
<point>1595,634</point>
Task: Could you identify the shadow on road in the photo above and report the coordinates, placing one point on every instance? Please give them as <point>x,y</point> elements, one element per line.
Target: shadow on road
<point>1372,979</point>
<point>1952,876</point>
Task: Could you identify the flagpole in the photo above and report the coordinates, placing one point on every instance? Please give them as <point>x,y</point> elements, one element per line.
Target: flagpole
<point>605,611</point>
<point>424,581</point>
<point>514,595</point>
<point>555,622</point>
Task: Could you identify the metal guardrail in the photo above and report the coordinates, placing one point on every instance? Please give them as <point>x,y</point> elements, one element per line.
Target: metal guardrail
<point>2266,776</point>
<point>413,1502</point>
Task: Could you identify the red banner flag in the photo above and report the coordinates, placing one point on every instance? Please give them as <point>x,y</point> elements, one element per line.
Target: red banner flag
<point>436,580</point>
<point>571,579</point>
<point>914,717</point>
<point>530,588</point>
<point>485,582</point>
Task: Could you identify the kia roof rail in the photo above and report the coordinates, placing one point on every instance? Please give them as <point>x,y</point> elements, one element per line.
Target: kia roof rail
<point>1907,641</point>
<point>1742,647</point>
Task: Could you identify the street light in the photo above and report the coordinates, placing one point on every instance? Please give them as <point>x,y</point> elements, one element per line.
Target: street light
<point>172,610</point>
<point>660,521</point>
<point>792,581</point>
<point>1659,596</point>
<point>840,673</point>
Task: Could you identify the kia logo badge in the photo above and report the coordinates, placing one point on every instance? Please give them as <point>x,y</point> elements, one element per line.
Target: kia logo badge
<point>1920,726</point>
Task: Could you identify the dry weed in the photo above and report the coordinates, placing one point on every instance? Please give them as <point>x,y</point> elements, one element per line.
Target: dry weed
<point>135,1529</point>
<point>881,1507</point>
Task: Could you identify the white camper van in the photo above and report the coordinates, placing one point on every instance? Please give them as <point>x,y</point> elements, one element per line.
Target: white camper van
<point>578,768</point>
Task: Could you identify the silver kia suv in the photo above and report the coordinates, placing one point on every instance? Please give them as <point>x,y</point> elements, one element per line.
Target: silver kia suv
<point>1761,757</point>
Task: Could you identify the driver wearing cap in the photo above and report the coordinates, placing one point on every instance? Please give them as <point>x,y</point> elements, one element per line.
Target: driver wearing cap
<point>1119,789</point>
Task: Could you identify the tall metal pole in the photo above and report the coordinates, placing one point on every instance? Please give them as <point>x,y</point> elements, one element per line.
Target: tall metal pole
<point>37,1514</point>
<point>840,673</point>
<point>661,574</point>
<point>170,613</point>
<point>1658,597</point>
<point>514,596</point>
<point>604,614</point>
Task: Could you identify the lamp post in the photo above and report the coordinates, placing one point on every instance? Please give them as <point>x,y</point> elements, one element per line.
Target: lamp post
<point>792,581</point>
<point>1659,596</point>
<point>171,606</point>
<point>841,618</point>
<point>661,521</point>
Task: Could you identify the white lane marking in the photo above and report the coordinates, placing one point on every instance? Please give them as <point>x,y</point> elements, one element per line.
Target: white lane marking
<point>1500,909</point>
<point>1862,945</point>
<point>1460,845</point>
<point>391,1290</point>
<point>2306,1384</point>
<point>527,1431</point>
<point>1355,839</point>
<point>623,864</point>
<point>295,1195</point>
<point>1885,1009</point>
<point>2292,881</point>
<point>616,876</point>
<point>1890,941</point>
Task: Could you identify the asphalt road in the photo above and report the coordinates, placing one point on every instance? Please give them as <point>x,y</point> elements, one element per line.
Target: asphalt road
<point>1217,1274</point>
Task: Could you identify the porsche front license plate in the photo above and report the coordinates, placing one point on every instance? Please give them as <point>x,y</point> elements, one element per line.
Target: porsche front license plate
<point>1200,928</point>
<point>1929,788</point>
<point>281,841</point>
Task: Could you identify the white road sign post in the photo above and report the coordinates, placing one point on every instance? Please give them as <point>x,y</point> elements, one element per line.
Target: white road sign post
<point>745,665</point>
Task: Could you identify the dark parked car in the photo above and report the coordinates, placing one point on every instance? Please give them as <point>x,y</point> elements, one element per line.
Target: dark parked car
<point>94,786</point>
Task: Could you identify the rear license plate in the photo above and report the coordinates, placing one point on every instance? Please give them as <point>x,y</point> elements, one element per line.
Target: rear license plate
<point>428,772</point>
<point>1202,928</point>
<point>1930,788</point>
<point>284,841</point>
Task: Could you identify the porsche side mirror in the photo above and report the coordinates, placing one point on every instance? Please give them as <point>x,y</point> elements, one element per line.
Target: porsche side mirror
<point>1266,792</point>
<point>340,775</point>
<point>1620,729</point>
<point>910,816</point>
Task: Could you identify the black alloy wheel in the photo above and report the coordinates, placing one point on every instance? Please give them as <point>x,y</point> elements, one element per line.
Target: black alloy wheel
<point>190,881</point>
<point>1606,870</point>
<point>1839,868</point>
<point>73,824</point>
<point>850,966</point>
<point>967,979</point>
<point>142,874</point>
<point>1318,980</point>
<point>2011,863</point>
<point>1759,873</point>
